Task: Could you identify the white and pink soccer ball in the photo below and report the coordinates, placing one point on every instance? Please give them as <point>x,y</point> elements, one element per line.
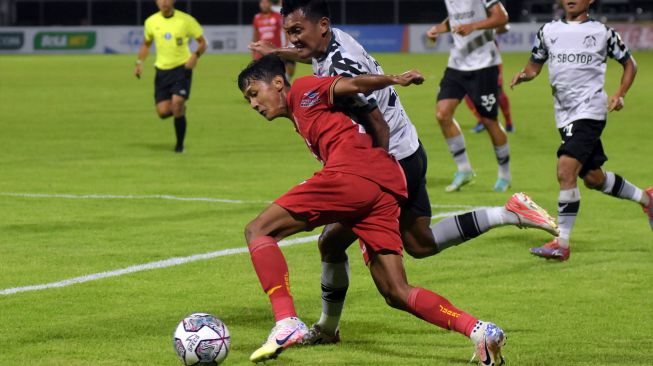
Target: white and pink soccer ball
<point>201,339</point>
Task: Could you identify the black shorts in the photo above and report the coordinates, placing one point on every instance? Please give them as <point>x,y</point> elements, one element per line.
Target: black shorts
<point>582,141</point>
<point>174,81</point>
<point>481,85</point>
<point>415,171</point>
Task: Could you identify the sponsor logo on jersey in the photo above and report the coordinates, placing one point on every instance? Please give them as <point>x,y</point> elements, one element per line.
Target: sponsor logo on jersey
<point>463,15</point>
<point>572,58</point>
<point>310,99</point>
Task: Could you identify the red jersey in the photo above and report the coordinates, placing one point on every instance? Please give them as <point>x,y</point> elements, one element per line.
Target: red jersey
<point>336,140</point>
<point>269,27</point>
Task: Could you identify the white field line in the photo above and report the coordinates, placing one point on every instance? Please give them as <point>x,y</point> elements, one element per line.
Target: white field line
<point>125,197</point>
<point>97,196</point>
<point>170,262</point>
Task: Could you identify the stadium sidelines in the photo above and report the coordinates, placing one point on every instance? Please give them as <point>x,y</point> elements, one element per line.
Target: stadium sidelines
<point>170,262</point>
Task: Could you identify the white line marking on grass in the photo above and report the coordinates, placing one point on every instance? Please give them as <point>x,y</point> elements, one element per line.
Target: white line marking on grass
<point>125,197</point>
<point>175,261</point>
<point>97,196</point>
<point>170,262</point>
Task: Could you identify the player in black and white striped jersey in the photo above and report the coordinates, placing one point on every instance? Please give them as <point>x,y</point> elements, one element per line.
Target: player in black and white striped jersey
<point>472,70</point>
<point>576,49</point>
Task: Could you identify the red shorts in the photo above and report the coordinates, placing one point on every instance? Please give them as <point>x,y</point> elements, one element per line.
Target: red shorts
<point>329,197</point>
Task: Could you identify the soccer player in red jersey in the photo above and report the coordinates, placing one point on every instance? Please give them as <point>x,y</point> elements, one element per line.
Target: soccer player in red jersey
<point>360,186</point>
<point>268,26</point>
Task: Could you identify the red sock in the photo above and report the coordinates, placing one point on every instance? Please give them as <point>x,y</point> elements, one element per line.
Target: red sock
<point>472,108</point>
<point>504,104</point>
<point>272,271</point>
<point>437,310</point>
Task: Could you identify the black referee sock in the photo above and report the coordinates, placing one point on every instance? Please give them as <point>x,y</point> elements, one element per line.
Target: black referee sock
<point>180,130</point>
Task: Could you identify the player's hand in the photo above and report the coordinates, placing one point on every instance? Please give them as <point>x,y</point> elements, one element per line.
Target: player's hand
<point>433,33</point>
<point>192,62</point>
<point>615,103</point>
<point>138,70</point>
<point>518,79</point>
<point>410,77</point>
<point>262,47</point>
<point>463,29</point>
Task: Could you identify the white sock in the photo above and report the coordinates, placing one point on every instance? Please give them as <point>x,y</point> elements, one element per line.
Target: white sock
<point>499,216</point>
<point>568,206</point>
<point>335,281</point>
<point>503,158</point>
<point>459,153</point>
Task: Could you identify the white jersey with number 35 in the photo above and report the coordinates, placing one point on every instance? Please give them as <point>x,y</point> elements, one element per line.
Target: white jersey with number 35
<point>577,54</point>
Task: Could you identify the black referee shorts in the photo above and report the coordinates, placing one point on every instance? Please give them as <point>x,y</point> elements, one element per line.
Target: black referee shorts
<point>482,86</point>
<point>174,81</point>
<point>415,171</point>
<point>581,140</point>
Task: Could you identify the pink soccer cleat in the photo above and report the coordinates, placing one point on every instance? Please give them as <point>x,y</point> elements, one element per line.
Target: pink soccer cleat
<point>552,250</point>
<point>648,210</point>
<point>530,214</point>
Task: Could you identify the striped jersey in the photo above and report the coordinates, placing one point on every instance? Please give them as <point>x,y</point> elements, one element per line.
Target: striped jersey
<point>345,56</point>
<point>476,50</point>
<point>577,55</point>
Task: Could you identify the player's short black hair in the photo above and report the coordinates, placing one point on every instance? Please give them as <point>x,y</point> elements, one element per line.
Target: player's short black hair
<point>264,69</point>
<point>313,9</point>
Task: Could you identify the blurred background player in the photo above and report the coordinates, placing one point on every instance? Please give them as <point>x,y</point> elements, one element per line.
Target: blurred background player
<point>359,184</point>
<point>268,28</point>
<point>472,70</point>
<point>171,30</point>
<point>333,53</point>
<point>504,103</point>
<point>576,48</point>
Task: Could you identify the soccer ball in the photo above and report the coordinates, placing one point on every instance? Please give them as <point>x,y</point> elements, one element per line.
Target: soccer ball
<point>201,339</point>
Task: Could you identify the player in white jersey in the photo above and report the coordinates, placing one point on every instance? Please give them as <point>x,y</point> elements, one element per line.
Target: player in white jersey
<point>472,70</point>
<point>334,52</point>
<point>576,49</point>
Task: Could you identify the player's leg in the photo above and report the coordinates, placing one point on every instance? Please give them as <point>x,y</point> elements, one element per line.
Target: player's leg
<point>479,127</point>
<point>615,185</point>
<point>504,103</point>
<point>389,275</point>
<point>421,240</point>
<point>164,108</point>
<point>449,96</point>
<point>262,235</point>
<point>181,93</point>
<point>568,206</point>
<point>333,243</point>
<point>483,90</point>
<point>382,248</point>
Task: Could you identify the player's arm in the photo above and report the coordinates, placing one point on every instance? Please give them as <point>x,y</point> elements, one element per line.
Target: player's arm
<point>436,30</point>
<point>201,47</point>
<point>528,73</point>
<point>497,17</point>
<point>377,127</point>
<point>143,51</point>
<point>368,83</point>
<point>286,53</point>
<point>616,101</point>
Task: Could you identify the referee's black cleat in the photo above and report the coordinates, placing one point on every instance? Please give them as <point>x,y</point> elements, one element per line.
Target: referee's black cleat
<point>179,149</point>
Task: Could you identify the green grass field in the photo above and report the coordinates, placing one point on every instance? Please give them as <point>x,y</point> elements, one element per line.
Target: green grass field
<point>83,125</point>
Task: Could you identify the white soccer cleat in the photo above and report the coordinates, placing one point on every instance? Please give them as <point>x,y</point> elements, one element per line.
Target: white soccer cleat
<point>488,339</point>
<point>530,214</point>
<point>286,333</point>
